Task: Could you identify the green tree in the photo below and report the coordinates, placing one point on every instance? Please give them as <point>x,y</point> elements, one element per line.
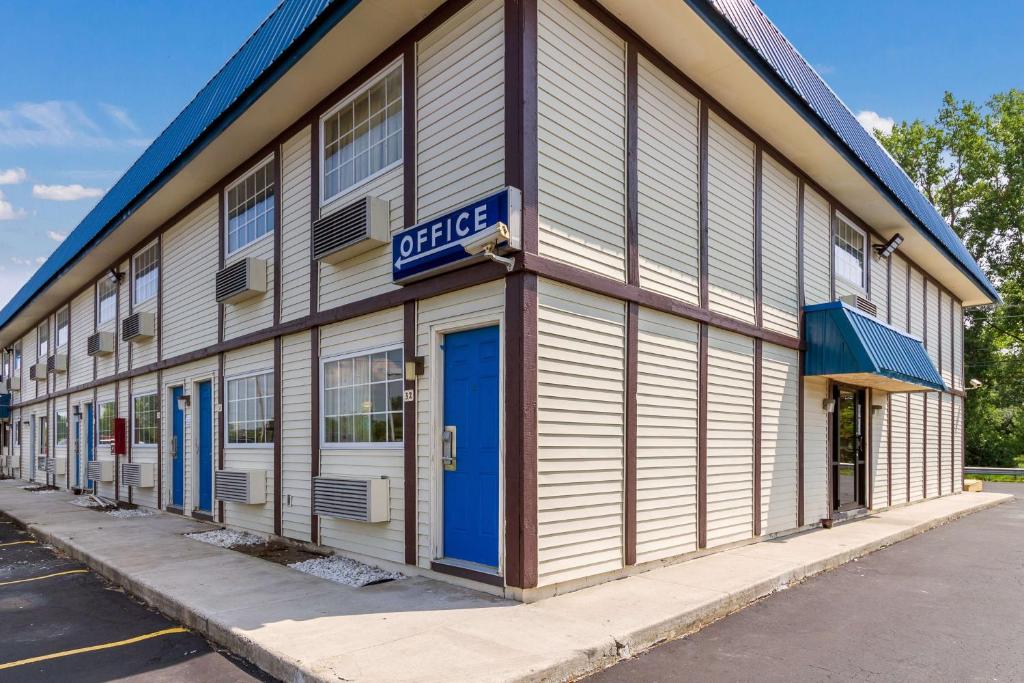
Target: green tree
<point>969,162</point>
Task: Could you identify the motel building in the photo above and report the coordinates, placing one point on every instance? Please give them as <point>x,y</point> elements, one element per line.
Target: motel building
<point>524,295</point>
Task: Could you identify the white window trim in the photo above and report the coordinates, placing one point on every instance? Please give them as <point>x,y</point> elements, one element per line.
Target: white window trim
<point>370,82</point>
<point>56,327</point>
<point>99,308</point>
<point>56,426</point>
<point>99,420</point>
<point>156,293</point>
<point>145,444</point>
<point>39,343</point>
<point>269,445</point>
<point>363,445</point>
<point>238,181</point>
<point>862,285</point>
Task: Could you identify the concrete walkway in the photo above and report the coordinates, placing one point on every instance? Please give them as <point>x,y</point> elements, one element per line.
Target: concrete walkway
<point>298,627</point>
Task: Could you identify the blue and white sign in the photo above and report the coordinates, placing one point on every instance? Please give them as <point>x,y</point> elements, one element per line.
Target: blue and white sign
<point>454,239</point>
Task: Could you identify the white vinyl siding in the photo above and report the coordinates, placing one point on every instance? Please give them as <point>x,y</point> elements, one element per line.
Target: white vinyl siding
<point>932,339</point>
<point>780,382</point>
<point>816,456</point>
<point>730,429</point>
<point>666,452</point>
<point>580,433</point>
<point>296,445</point>
<point>934,443</point>
<point>295,225</point>
<point>779,247</point>
<point>958,444</point>
<point>256,313</point>
<point>190,261</point>
<point>916,446</point>
<point>460,136</point>
<point>946,350</point>
<point>817,248</point>
<point>900,275</point>
<point>916,303</point>
<point>581,112</point>
<point>879,285</point>
<point>668,194</point>
<point>879,444</point>
<point>958,346</point>
<point>730,221</point>
<point>898,417</point>
<point>79,362</point>
<point>948,451</point>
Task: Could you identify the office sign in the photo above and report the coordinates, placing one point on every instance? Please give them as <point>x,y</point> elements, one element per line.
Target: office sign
<point>453,239</point>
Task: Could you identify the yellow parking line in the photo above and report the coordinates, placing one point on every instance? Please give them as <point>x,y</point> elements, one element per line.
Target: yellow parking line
<point>4,545</point>
<point>48,576</point>
<point>94,648</point>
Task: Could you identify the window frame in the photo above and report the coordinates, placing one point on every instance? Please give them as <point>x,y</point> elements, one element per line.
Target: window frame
<point>99,422</point>
<point>61,418</point>
<point>16,362</point>
<point>103,282</point>
<point>862,285</point>
<point>66,311</point>
<point>227,402</point>
<point>155,244</point>
<point>242,177</point>
<point>156,419</point>
<point>399,65</point>
<point>40,353</point>
<point>43,447</point>
<point>358,445</point>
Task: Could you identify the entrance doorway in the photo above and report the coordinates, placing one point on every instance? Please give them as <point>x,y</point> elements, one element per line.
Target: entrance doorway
<point>849,465</point>
<point>204,464</point>
<point>177,450</point>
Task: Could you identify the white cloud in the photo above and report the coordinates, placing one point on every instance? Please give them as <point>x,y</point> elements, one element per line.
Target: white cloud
<point>55,236</point>
<point>7,210</point>
<point>65,193</point>
<point>120,116</point>
<point>12,176</point>
<point>872,121</point>
<point>54,123</point>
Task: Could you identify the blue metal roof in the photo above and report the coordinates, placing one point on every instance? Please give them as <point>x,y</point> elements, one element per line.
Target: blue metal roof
<point>840,340</point>
<point>743,25</point>
<point>283,37</point>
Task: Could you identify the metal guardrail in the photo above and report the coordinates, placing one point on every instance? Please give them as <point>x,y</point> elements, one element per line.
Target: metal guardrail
<point>1012,471</point>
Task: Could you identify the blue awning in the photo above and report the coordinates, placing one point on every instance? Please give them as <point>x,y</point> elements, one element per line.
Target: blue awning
<point>850,346</point>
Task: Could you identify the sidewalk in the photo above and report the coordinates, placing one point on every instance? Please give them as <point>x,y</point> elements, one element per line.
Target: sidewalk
<point>298,627</point>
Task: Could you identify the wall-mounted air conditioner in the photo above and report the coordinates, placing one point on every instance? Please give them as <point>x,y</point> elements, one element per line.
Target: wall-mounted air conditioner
<point>861,304</point>
<point>240,486</point>
<point>100,470</point>
<point>351,230</point>
<point>141,475</point>
<point>355,498</point>
<point>40,463</point>
<point>243,279</point>
<point>37,371</point>
<point>12,384</point>
<point>100,344</point>
<point>138,326</point>
<point>57,466</point>
<point>58,363</point>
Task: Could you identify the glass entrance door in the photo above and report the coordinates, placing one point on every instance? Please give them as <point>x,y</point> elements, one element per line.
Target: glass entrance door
<point>849,488</point>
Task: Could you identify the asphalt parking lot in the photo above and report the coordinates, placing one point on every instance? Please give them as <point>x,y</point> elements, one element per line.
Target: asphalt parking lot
<point>61,622</point>
<point>947,605</point>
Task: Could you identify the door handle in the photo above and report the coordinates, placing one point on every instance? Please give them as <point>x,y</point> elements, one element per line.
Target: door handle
<point>174,447</point>
<point>448,449</point>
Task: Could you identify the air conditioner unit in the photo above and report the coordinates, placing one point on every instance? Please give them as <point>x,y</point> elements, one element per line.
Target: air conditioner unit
<point>58,363</point>
<point>100,470</point>
<point>100,344</point>
<point>138,326</point>
<point>41,463</point>
<point>13,384</point>
<point>141,475</point>
<point>351,230</point>
<point>240,486</point>
<point>56,466</point>
<point>861,304</point>
<point>243,279</point>
<point>37,371</point>
<point>355,498</point>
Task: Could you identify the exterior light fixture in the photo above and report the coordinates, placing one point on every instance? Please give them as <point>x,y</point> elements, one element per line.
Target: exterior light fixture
<point>828,405</point>
<point>886,250</point>
<point>183,402</point>
<point>876,408</point>
<point>975,384</point>
<point>115,276</point>
<point>77,414</point>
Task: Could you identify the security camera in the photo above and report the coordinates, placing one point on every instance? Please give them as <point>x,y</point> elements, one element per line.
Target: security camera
<point>975,383</point>
<point>487,239</point>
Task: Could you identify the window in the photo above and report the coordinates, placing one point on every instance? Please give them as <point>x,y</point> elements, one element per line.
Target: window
<point>17,357</point>
<point>106,300</point>
<point>62,327</point>
<point>106,417</point>
<point>61,438</point>
<point>44,436</point>
<point>250,207</point>
<point>145,426</point>
<point>849,247</point>
<point>363,135</point>
<point>362,399</point>
<point>146,265</point>
<point>251,409</point>
<point>43,339</point>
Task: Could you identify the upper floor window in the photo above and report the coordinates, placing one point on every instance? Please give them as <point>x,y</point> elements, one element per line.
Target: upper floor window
<point>63,316</point>
<point>850,247</point>
<point>17,357</point>
<point>146,267</point>
<point>250,410</point>
<point>250,207</point>
<point>362,399</point>
<point>106,300</point>
<point>362,136</point>
<point>43,339</point>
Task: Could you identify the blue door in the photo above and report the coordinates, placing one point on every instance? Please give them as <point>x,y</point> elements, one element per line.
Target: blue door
<point>471,381</point>
<point>78,450</point>
<point>177,450</point>
<point>205,475</point>
<point>90,453</point>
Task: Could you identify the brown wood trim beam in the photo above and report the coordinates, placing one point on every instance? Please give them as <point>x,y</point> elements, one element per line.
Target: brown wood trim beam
<point>278,201</point>
<point>221,227</point>
<point>759,236</point>
<point>218,424</point>
<point>160,440</point>
<point>702,439</point>
<point>632,340</point>
<point>409,433</point>
<point>869,418</point>
<point>888,464</point>
<point>521,111</point>
<point>703,188</point>
<point>800,378</point>
<point>924,398</point>
<point>632,168</point>
<point>278,455</point>
<point>314,428</point>
<point>758,382</point>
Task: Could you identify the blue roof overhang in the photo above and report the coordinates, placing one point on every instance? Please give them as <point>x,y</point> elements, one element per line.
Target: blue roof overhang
<point>847,345</point>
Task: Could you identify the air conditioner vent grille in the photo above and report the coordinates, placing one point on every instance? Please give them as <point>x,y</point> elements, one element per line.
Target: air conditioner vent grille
<point>137,474</point>
<point>100,470</point>
<point>361,500</point>
<point>139,325</point>
<point>247,487</point>
<point>861,304</point>
<point>350,230</point>
<point>100,344</point>
<point>241,280</point>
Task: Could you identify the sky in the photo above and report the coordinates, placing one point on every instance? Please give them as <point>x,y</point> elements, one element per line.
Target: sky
<point>86,86</point>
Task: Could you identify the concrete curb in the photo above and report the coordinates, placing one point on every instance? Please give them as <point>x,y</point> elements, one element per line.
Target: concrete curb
<point>592,658</point>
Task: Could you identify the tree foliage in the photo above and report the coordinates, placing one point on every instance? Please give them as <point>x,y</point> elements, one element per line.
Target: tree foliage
<point>969,162</point>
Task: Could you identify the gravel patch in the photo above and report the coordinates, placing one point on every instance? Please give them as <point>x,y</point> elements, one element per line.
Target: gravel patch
<point>346,571</point>
<point>226,538</point>
<point>131,514</point>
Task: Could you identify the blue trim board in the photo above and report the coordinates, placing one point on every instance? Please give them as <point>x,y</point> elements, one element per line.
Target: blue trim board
<point>841,340</point>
